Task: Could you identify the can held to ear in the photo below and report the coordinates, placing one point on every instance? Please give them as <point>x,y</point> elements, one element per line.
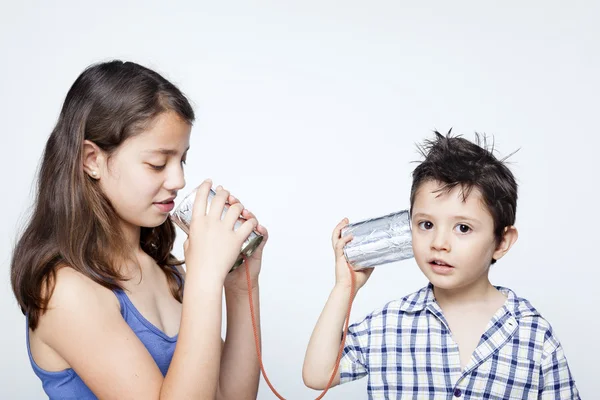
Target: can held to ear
<point>182,217</point>
<point>379,241</point>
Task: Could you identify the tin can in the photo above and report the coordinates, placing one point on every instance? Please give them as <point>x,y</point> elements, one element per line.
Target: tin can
<point>379,241</point>
<point>182,217</point>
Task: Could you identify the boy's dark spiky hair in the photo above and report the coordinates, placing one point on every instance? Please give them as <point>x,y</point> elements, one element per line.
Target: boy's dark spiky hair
<point>454,161</point>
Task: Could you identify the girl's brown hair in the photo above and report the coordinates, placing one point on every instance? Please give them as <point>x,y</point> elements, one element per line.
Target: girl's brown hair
<point>73,223</point>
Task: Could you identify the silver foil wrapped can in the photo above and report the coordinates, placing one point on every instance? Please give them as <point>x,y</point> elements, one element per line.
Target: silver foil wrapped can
<point>182,217</point>
<point>379,241</point>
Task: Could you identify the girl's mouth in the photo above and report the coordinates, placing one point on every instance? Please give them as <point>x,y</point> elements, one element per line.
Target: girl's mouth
<point>165,206</point>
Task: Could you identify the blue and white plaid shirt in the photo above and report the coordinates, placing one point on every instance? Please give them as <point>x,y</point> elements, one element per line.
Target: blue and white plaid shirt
<point>407,351</point>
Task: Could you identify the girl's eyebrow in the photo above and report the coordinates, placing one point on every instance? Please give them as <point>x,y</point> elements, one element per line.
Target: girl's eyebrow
<point>168,152</point>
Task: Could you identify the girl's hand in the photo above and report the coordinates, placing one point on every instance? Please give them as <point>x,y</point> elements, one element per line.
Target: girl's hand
<point>212,245</point>
<point>237,279</point>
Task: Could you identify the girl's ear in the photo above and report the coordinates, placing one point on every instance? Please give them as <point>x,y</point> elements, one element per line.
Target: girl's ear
<point>93,159</point>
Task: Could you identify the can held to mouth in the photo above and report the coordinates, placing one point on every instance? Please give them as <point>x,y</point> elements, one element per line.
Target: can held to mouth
<point>182,217</point>
<point>379,240</point>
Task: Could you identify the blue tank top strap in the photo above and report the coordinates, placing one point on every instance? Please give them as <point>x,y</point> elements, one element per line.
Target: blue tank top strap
<point>66,384</point>
<point>122,297</point>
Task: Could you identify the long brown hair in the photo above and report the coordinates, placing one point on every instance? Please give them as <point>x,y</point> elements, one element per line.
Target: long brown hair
<point>73,223</point>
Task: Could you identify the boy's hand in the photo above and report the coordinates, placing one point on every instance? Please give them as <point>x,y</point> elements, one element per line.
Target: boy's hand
<point>342,274</point>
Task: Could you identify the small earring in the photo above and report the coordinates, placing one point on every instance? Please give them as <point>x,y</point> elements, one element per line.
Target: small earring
<point>94,173</point>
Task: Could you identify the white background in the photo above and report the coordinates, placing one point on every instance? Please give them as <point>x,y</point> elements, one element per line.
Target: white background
<point>309,112</point>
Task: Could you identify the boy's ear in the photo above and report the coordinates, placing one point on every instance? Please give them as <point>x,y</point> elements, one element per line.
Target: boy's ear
<point>93,159</point>
<point>508,239</point>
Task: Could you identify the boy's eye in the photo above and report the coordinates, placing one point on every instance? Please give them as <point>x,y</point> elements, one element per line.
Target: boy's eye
<point>425,225</point>
<point>462,228</point>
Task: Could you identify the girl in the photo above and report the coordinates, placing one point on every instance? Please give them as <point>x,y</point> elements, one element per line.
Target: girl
<point>107,316</point>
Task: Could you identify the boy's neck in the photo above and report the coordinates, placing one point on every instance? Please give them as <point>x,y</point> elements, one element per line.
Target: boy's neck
<point>477,293</point>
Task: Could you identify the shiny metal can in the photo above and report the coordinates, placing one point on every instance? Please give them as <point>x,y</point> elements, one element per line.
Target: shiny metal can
<point>182,217</point>
<point>379,240</point>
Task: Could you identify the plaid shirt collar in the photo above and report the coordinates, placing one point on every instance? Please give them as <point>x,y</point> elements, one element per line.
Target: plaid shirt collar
<point>425,299</point>
<point>504,324</point>
<point>407,350</point>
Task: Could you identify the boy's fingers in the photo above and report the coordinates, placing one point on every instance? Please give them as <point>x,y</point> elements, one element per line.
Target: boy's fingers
<point>338,229</point>
<point>339,245</point>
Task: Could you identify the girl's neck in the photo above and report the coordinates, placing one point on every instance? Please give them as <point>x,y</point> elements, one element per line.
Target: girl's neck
<point>131,236</point>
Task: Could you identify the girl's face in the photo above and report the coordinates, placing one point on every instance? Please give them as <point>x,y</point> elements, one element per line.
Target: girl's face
<point>143,176</point>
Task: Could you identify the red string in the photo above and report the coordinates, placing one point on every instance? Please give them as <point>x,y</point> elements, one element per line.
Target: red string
<point>257,341</point>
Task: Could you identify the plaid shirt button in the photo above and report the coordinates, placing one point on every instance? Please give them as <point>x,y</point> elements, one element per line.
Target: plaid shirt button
<point>457,393</point>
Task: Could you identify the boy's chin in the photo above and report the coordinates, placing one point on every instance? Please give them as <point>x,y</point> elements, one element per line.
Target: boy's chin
<point>454,282</point>
<point>444,282</point>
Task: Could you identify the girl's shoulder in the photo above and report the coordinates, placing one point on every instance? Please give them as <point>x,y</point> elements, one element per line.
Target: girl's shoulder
<point>75,294</point>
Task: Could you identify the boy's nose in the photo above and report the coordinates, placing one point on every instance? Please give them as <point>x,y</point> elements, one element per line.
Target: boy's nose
<point>440,241</point>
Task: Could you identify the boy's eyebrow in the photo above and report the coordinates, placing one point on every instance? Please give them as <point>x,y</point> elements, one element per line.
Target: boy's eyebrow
<point>465,218</point>
<point>422,215</point>
<point>457,217</point>
<point>168,152</point>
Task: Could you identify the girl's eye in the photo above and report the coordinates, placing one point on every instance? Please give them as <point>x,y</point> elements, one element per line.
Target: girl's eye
<point>462,228</point>
<point>157,167</point>
<point>183,162</point>
<point>426,225</point>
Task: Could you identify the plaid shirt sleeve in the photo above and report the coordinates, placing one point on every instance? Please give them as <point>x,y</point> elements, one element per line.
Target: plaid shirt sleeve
<point>353,364</point>
<point>556,381</point>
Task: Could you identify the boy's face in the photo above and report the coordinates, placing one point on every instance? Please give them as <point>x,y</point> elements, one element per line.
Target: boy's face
<point>453,239</point>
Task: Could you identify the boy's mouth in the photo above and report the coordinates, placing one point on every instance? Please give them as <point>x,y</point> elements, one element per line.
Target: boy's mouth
<point>435,262</point>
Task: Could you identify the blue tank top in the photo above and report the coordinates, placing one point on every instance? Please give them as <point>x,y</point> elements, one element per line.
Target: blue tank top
<point>67,384</point>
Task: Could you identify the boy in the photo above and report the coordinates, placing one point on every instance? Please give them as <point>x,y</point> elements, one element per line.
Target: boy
<point>460,336</point>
